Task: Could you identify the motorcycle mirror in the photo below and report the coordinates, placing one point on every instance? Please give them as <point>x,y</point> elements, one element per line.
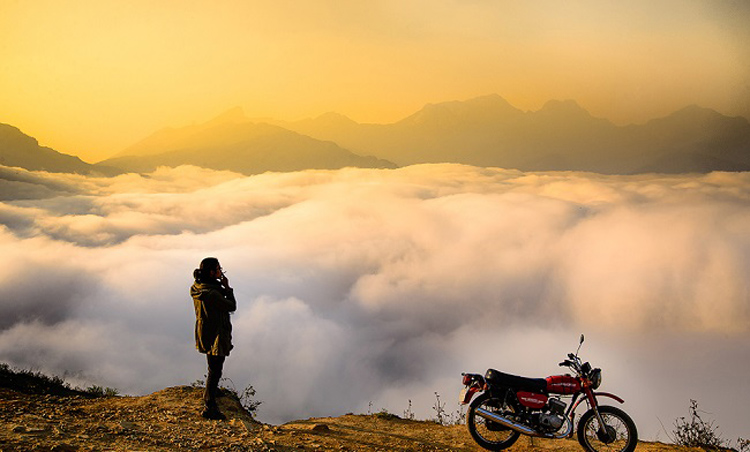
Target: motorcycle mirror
<point>579,345</point>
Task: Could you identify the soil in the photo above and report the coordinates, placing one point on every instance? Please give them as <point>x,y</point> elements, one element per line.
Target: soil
<point>169,420</point>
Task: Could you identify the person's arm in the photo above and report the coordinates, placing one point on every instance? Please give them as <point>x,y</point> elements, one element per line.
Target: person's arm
<point>225,297</point>
<point>228,293</point>
<point>222,299</point>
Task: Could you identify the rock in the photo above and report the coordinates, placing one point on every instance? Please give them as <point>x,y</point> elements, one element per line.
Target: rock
<point>23,430</point>
<point>247,426</point>
<point>62,447</point>
<point>320,428</point>
<point>126,425</point>
<point>39,431</point>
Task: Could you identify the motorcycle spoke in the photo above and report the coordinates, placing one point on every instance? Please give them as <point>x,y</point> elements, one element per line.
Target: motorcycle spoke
<point>489,434</point>
<point>616,428</point>
<point>492,432</point>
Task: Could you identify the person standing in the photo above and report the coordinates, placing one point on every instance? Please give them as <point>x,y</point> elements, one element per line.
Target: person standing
<point>213,300</point>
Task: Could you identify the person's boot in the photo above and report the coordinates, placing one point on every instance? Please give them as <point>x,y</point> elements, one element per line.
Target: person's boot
<point>212,412</point>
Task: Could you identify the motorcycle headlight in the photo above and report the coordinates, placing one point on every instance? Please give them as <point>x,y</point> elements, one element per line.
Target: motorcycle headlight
<point>596,378</point>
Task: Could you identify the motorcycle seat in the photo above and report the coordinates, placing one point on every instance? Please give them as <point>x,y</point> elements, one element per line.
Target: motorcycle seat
<point>495,377</point>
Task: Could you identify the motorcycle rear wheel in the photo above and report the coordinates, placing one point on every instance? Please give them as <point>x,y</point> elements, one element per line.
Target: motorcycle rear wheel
<point>621,436</point>
<point>488,434</point>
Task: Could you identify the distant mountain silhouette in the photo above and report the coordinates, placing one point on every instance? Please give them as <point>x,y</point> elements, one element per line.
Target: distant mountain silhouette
<point>230,142</point>
<point>170,139</point>
<point>488,131</point>
<point>20,150</point>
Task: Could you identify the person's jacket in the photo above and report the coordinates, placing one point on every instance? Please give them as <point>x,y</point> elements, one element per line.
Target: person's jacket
<point>213,303</point>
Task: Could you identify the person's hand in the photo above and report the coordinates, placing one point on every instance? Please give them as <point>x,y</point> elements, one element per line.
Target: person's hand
<point>224,280</point>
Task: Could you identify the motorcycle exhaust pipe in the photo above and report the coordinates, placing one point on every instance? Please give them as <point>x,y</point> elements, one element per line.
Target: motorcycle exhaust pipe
<point>525,429</point>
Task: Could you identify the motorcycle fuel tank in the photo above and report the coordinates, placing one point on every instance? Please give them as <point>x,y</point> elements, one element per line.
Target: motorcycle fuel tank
<point>563,384</point>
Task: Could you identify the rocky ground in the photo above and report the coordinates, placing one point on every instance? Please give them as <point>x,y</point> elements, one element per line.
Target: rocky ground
<point>168,420</point>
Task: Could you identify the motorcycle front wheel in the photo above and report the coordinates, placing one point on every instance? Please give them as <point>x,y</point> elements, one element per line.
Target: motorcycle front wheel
<point>488,434</point>
<point>620,434</point>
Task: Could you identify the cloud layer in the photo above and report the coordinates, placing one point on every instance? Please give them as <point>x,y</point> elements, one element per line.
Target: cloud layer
<point>359,286</point>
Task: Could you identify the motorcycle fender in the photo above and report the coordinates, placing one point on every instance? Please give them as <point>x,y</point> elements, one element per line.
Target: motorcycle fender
<point>467,394</point>
<point>597,395</point>
<point>610,395</point>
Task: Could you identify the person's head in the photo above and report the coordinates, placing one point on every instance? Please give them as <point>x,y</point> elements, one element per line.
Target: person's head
<point>209,269</point>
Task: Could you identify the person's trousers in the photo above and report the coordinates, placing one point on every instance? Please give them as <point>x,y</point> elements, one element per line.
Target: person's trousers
<point>215,367</point>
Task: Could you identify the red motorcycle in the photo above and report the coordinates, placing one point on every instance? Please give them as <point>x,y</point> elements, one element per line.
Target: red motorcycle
<point>510,406</point>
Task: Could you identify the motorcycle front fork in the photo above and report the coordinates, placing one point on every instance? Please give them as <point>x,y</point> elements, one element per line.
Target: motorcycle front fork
<point>592,405</point>
<point>603,434</point>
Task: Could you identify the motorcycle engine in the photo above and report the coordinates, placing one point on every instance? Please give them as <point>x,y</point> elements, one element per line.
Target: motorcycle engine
<point>554,419</point>
<point>551,422</point>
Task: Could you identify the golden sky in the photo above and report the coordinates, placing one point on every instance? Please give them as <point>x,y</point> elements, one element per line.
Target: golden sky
<point>91,77</point>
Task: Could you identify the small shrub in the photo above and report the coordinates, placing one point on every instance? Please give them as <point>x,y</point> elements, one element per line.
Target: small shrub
<point>442,417</point>
<point>385,415</point>
<point>31,382</point>
<point>696,432</point>
<point>98,391</point>
<point>440,414</point>
<point>246,398</point>
<point>408,413</point>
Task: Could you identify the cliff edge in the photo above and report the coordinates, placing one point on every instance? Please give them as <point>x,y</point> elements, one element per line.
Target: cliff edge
<point>169,420</point>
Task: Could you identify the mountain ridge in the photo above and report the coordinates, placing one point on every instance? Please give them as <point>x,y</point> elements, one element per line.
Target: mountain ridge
<point>485,131</point>
<point>18,149</point>
<point>245,147</point>
<point>164,137</point>
<point>561,136</point>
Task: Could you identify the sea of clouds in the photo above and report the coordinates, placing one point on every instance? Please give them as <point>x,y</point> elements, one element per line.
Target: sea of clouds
<point>361,290</point>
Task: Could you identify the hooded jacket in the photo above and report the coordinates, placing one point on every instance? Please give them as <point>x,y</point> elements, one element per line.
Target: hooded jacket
<point>213,329</point>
